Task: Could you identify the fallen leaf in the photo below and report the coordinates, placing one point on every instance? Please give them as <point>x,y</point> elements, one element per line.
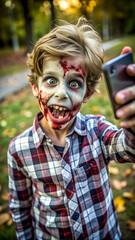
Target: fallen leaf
<point>10,221</point>
<point>95,108</point>
<point>129,195</point>
<point>113,170</point>
<point>26,113</point>
<point>119,204</point>
<point>127,172</point>
<point>9,133</point>
<point>5,196</point>
<point>119,184</point>
<point>131,225</point>
<point>4,218</point>
<point>23,124</point>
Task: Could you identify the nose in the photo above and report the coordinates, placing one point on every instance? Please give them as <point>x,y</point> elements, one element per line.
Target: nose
<point>61,94</point>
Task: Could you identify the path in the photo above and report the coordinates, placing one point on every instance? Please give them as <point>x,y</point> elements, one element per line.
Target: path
<point>14,83</point>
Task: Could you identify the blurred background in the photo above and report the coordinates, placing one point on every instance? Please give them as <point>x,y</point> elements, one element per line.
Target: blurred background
<point>22,23</point>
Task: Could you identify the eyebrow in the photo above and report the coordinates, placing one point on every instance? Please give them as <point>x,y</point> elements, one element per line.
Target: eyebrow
<point>75,74</point>
<point>69,74</point>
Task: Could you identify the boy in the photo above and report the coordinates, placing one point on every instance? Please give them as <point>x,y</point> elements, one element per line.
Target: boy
<point>58,168</point>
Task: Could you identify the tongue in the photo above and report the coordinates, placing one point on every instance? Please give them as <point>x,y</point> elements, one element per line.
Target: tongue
<point>57,113</point>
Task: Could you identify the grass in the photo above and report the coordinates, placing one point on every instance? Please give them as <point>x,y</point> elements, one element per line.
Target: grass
<point>17,113</point>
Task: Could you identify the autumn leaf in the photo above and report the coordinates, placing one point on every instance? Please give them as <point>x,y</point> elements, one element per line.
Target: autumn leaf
<point>113,170</point>
<point>129,195</point>
<point>95,108</point>
<point>131,225</point>
<point>119,204</point>
<point>4,218</point>
<point>127,172</point>
<point>9,133</point>
<point>23,124</point>
<point>10,221</point>
<point>26,113</point>
<point>119,184</point>
<point>5,196</point>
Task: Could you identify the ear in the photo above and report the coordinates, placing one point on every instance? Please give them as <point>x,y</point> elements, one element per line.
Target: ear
<point>34,89</point>
<point>87,96</point>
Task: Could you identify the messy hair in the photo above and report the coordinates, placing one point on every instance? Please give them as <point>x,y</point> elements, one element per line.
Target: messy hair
<point>69,40</point>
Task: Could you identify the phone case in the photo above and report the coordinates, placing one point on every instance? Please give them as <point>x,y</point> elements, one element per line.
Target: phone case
<point>116,76</point>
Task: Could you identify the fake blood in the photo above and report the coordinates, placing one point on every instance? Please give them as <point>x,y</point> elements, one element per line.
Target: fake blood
<point>67,67</point>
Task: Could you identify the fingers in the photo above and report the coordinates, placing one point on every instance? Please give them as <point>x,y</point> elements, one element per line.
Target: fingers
<point>129,124</point>
<point>126,111</point>
<point>126,49</point>
<point>131,70</point>
<point>125,95</point>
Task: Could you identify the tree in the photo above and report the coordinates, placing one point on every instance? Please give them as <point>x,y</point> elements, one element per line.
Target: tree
<point>28,24</point>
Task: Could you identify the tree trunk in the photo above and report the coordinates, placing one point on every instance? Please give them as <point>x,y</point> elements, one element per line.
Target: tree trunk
<point>13,30</point>
<point>28,25</point>
<point>105,24</point>
<point>52,14</point>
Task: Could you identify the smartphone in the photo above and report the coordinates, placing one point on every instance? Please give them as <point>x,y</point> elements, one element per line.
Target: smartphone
<point>116,76</point>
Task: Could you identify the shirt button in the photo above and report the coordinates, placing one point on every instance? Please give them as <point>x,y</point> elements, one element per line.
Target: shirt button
<point>48,140</point>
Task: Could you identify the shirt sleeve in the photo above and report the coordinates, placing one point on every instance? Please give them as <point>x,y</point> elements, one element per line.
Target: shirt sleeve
<point>20,199</point>
<point>118,145</point>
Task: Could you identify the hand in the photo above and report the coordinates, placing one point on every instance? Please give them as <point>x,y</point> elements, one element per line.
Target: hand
<point>128,111</point>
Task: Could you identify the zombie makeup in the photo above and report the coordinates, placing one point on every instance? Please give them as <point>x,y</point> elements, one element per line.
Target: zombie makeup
<point>61,91</point>
<point>67,67</point>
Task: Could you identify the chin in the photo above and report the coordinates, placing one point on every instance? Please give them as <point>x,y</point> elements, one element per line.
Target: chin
<point>58,126</point>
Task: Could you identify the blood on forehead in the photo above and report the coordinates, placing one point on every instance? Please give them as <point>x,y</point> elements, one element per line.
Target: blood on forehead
<point>67,67</point>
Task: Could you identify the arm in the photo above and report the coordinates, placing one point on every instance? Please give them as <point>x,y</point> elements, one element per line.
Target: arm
<point>20,200</point>
<point>118,145</point>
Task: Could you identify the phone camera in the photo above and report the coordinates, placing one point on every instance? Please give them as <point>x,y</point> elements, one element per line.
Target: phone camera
<point>113,69</point>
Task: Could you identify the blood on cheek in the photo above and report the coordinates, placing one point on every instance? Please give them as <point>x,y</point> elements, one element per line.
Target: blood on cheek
<point>43,97</point>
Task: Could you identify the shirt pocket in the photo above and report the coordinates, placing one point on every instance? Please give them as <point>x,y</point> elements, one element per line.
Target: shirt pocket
<point>87,173</point>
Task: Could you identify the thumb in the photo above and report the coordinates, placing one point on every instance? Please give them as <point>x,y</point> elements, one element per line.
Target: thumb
<point>126,50</point>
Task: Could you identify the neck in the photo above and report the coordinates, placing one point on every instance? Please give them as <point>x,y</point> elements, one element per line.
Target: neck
<point>57,136</point>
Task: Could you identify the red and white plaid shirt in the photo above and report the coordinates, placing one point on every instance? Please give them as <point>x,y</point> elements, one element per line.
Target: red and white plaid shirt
<point>68,197</point>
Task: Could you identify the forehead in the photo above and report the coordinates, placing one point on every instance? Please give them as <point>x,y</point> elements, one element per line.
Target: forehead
<point>65,64</point>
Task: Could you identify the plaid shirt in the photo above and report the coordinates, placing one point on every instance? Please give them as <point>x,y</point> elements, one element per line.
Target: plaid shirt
<point>68,197</point>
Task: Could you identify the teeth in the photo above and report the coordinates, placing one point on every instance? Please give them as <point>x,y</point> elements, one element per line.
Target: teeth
<point>59,108</point>
<point>60,117</point>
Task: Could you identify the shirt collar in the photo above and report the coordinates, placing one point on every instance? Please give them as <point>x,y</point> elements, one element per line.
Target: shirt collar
<point>39,136</point>
<point>79,125</point>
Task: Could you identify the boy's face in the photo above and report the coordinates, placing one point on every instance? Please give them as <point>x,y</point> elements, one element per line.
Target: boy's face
<point>61,90</point>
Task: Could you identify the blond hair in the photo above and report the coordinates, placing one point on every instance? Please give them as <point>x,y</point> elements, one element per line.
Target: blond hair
<point>69,40</point>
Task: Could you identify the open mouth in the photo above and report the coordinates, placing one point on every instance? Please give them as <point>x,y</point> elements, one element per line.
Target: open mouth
<point>58,112</point>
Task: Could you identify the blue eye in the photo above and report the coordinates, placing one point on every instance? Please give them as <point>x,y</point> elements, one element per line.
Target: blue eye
<point>74,84</point>
<point>51,81</point>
